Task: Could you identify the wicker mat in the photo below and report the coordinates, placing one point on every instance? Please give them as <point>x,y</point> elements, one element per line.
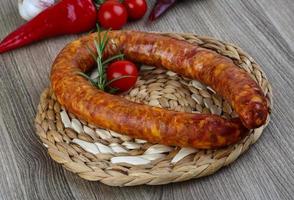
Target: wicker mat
<point>118,160</point>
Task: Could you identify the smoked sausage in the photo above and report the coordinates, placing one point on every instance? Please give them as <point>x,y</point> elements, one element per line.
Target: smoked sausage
<point>158,125</point>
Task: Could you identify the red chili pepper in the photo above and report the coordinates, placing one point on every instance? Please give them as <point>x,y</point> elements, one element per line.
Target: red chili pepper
<point>65,17</point>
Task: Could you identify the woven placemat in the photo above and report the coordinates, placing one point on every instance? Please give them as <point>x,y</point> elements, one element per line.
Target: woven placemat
<point>118,160</point>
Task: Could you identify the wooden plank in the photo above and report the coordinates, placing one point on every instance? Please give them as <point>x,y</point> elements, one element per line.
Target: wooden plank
<point>262,28</point>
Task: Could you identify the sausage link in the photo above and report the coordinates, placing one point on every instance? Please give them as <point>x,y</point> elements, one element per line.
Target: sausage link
<point>155,124</point>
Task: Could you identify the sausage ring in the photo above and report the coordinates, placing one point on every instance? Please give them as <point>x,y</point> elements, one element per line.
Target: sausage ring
<point>158,125</point>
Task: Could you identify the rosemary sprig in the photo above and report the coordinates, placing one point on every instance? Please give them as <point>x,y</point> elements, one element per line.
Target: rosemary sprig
<point>118,56</point>
<point>87,77</point>
<point>100,44</point>
<point>118,78</point>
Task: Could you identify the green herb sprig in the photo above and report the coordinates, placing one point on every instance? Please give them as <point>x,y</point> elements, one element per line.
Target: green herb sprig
<point>101,81</point>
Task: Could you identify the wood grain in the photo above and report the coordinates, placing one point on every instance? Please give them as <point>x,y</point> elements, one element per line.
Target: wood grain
<point>263,28</point>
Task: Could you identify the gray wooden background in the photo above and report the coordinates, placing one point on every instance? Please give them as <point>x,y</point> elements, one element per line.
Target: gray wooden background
<point>264,28</point>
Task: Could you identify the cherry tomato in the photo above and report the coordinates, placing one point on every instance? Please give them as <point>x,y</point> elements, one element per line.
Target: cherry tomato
<point>136,8</point>
<point>119,69</point>
<point>112,14</point>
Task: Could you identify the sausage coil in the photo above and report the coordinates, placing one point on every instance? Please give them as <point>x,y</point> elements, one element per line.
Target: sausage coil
<point>158,125</point>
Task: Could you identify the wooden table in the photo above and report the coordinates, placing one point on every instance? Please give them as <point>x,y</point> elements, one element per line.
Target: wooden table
<point>263,28</point>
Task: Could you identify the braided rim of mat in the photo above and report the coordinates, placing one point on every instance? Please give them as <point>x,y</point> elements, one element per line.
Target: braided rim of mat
<point>118,160</point>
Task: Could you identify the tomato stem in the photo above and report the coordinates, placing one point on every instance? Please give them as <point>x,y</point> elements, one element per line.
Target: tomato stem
<point>99,2</point>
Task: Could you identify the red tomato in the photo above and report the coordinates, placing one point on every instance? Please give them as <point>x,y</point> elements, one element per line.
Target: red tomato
<point>122,68</point>
<point>136,8</point>
<point>112,14</point>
